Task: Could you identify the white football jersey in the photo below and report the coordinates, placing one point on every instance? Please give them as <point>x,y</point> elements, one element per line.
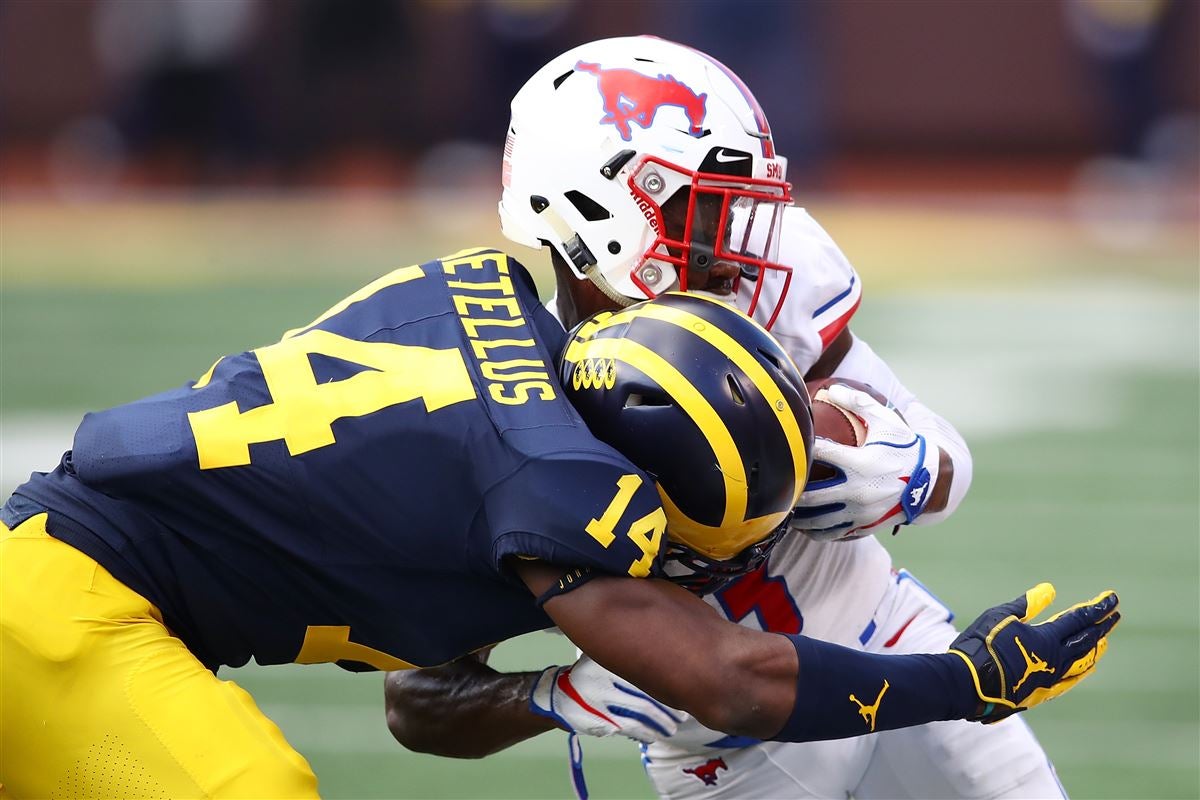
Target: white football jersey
<point>822,296</point>
<point>834,586</point>
<point>827,590</point>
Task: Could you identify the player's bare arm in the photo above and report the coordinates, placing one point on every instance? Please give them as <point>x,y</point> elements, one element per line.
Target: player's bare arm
<point>793,688</point>
<point>768,686</point>
<point>428,710</point>
<point>669,643</point>
<point>826,366</point>
<point>468,710</point>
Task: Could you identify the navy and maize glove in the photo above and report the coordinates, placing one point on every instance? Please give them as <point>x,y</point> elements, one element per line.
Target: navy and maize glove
<point>1016,665</point>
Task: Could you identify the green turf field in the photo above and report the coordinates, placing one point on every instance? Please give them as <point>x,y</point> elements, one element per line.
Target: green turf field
<point>1072,370</point>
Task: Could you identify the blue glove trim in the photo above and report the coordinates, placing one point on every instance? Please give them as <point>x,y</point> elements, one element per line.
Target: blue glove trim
<point>629,690</point>
<point>548,712</point>
<point>841,526</point>
<point>802,512</point>
<point>839,477</point>
<point>619,711</point>
<point>915,496</point>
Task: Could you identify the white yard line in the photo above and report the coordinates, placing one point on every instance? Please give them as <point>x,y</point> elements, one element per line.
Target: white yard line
<point>32,441</point>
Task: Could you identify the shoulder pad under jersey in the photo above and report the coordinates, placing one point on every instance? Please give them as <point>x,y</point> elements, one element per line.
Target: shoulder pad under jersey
<point>824,293</point>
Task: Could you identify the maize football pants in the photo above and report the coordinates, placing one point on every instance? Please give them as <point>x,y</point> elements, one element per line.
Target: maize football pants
<point>98,699</point>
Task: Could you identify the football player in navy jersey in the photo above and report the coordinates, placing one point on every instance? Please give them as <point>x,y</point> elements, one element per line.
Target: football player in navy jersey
<point>643,166</point>
<point>436,441</point>
<point>411,449</point>
<point>403,480</point>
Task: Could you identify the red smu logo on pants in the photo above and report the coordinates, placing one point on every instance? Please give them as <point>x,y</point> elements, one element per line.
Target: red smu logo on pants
<point>707,771</point>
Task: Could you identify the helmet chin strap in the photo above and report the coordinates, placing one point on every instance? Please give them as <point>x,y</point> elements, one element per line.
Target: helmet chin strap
<point>581,257</point>
<point>593,274</point>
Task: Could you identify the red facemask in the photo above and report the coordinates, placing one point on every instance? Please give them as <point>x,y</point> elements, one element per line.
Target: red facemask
<point>727,230</point>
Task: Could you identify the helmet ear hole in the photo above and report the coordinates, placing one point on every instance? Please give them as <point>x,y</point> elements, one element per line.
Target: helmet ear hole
<point>771,357</point>
<point>735,390</point>
<point>587,207</point>
<point>559,80</point>
<point>653,399</point>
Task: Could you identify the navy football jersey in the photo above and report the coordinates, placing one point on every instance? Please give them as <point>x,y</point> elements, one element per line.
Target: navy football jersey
<point>352,492</point>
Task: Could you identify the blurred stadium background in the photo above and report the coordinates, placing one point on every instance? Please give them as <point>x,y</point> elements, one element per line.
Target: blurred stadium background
<point>1016,183</point>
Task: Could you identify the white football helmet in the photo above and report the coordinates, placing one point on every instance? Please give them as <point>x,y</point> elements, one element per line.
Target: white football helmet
<point>644,163</point>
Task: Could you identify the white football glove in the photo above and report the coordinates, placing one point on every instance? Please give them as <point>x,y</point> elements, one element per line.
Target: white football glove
<point>588,699</point>
<point>884,483</point>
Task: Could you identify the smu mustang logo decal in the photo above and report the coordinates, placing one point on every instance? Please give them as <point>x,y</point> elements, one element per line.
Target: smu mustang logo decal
<point>707,771</point>
<point>629,96</point>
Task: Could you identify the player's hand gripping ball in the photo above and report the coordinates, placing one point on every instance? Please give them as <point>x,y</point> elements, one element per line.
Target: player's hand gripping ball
<point>871,471</point>
<point>1015,665</point>
<point>834,423</point>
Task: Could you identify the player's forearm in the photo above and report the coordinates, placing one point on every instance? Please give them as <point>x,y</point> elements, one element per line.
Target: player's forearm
<point>841,692</point>
<point>464,709</point>
<point>955,473</point>
<point>792,688</point>
<point>672,646</point>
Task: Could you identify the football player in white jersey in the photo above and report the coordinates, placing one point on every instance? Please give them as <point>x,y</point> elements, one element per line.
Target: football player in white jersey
<point>587,173</point>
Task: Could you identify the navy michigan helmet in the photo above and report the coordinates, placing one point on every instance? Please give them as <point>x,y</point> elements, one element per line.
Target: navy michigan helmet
<point>703,399</point>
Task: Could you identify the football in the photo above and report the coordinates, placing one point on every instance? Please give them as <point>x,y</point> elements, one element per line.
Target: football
<point>835,423</point>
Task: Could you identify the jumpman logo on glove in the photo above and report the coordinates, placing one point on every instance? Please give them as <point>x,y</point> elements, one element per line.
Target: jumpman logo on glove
<point>1032,664</point>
